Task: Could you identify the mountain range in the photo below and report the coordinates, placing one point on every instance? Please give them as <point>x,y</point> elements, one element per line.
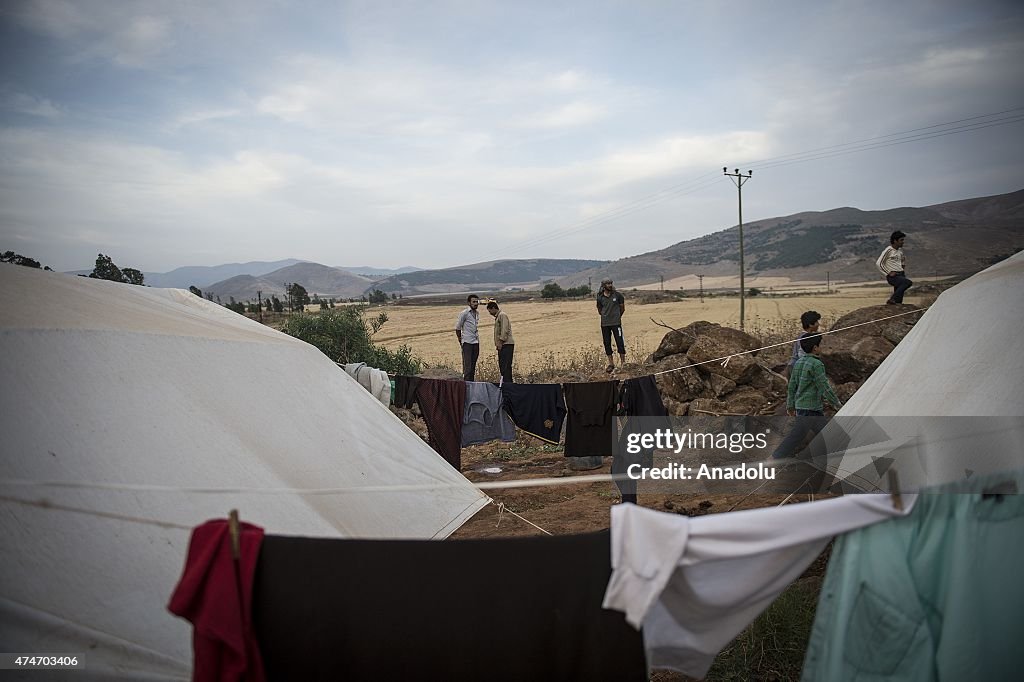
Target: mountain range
<point>952,238</point>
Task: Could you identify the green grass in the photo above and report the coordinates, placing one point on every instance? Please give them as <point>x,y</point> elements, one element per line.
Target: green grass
<point>773,646</point>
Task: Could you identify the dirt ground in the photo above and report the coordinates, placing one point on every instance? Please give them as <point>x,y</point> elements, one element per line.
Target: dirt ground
<point>578,508</point>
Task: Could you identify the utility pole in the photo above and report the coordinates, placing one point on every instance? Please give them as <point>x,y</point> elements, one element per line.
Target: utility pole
<point>589,288</point>
<point>739,179</point>
<point>259,297</point>
<point>828,282</point>
<point>701,278</point>
<point>663,282</point>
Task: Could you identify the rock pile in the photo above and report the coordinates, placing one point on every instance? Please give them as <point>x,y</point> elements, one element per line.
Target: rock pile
<point>753,383</point>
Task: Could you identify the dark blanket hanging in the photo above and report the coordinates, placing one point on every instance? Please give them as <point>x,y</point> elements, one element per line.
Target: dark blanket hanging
<point>405,390</point>
<point>510,609</point>
<point>537,409</point>
<point>590,430</point>
<point>641,411</point>
<point>442,402</point>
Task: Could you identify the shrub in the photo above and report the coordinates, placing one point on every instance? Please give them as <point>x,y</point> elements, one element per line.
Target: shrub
<point>344,335</point>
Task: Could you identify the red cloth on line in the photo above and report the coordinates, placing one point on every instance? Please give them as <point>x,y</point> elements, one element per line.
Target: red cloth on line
<point>442,402</point>
<point>218,603</point>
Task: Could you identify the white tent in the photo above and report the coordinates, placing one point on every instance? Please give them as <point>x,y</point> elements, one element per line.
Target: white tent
<point>948,402</point>
<point>158,410</point>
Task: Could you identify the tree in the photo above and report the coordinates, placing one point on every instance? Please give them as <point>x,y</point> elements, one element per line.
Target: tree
<point>753,291</point>
<point>552,290</point>
<point>581,290</point>
<point>378,296</point>
<point>345,336</point>
<point>297,296</point>
<point>238,307</point>
<point>133,276</point>
<point>278,306</point>
<point>196,290</point>
<point>18,259</point>
<point>106,269</point>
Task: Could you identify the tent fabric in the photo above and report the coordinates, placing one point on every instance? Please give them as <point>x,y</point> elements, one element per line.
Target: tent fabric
<point>948,398</point>
<point>118,385</point>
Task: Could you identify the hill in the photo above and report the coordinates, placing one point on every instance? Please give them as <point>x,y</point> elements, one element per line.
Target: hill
<point>491,275</point>
<point>953,238</point>
<point>314,277</point>
<point>203,276</point>
<point>371,271</point>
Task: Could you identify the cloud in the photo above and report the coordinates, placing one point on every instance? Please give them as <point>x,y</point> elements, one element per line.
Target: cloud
<point>106,30</point>
<point>571,115</point>
<point>23,103</point>
<point>198,117</point>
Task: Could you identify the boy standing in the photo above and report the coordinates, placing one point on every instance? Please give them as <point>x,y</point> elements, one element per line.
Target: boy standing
<point>809,321</point>
<point>892,263</point>
<point>808,388</point>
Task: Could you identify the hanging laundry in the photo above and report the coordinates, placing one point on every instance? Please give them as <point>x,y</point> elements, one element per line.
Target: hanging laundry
<point>483,419</point>
<point>642,411</point>
<point>442,402</point>
<point>537,409</point>
<point>590,431</point>
<point>693,584</point>
<point>215,595</point>
<point>454,610</point>
<point>405,390</point>
<point>375,381</point>
<point>936,595</point>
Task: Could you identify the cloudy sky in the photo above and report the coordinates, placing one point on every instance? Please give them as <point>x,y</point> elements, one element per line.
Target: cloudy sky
<point>442,133</point>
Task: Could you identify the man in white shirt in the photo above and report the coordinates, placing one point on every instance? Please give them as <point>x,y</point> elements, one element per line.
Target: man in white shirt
<point>469,340</point>
<point>892,263</point>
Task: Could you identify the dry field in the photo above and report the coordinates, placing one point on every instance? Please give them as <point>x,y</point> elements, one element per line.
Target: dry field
<point>546,331</point>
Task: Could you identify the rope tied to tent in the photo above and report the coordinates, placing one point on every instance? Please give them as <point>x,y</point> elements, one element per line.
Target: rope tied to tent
<point>502,508</point>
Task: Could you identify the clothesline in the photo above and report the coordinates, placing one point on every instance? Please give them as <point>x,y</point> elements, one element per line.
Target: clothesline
<point>140,487</point>
<point>546,482</point>
<point>725,360</point>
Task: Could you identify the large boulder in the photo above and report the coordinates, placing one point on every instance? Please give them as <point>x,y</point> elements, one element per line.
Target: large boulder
<point>719,386</point>
<point>767,380</point>
<point>682,385</point>
<point>852,354</point>
<point>856,361</point>
<point>707,406</point>
<point>675,408</point>
<point>746,400</point>
<point>720,342</point>
<point>862,325</point>
<point>679,341</point>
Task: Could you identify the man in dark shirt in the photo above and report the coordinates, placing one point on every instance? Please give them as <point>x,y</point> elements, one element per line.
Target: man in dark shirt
<point>610,306</point>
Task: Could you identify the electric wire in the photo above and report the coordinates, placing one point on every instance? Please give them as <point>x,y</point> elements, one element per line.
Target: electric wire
<point>705,180</point>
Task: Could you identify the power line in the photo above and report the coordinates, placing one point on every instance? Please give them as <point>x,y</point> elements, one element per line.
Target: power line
<point>892,143</point>
<point>700,182</point>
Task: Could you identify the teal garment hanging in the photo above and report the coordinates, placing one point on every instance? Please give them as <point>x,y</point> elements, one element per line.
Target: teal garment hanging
<point>935,595</point>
